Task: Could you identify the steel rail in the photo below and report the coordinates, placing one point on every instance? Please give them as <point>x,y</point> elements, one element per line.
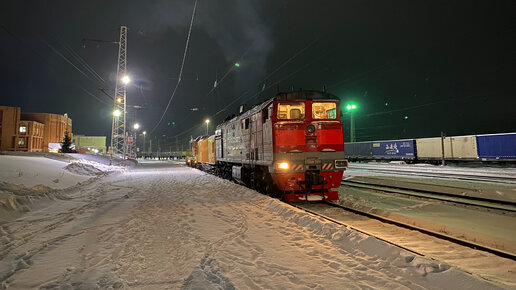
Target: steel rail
<point>429,194</point>
<point>442,236</point>
<point>448,175</point>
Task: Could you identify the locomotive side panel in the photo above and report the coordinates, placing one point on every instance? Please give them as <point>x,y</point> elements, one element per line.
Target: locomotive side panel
<point>267,135</point>
<point>211,150</point>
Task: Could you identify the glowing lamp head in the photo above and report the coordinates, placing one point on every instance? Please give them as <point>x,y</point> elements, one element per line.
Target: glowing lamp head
<point>207,121</point>
<point>119,99</point>
<point>350,107</point>
<point>282,165</point>
<point>116,113</point>
<point>126,79</point>
<point>144,132</point>
<point>136,126</point>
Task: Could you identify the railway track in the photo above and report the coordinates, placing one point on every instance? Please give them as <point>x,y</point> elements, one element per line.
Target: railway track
<point>408,226</point>
<point>448,174</point>
<point>464,199</point>
<point>420,241</point>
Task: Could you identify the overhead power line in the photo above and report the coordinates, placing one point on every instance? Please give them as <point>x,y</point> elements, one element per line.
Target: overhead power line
<point>180,71</point>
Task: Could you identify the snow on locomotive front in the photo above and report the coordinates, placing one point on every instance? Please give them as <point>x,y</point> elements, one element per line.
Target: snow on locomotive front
<point>292,144</point>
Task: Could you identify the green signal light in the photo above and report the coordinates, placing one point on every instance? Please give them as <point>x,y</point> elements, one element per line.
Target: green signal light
<point>237,64</point>
<point>350,107</point>
<point>406,117</point>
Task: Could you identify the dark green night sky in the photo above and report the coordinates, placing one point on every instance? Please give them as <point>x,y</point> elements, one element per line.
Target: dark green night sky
<point>446,65</point>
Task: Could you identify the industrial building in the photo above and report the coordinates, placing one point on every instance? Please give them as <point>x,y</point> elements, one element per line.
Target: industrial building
<point>9,119</point>
<point>30,136</point>
<point>89,143</point>
<point>32,132</point>
<point>55,127</point>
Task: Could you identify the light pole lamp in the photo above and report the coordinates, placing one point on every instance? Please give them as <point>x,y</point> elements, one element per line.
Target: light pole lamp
<point>350,108</point>
<point>207,125</point>
<point>144,134</point>
<point>136,126</point>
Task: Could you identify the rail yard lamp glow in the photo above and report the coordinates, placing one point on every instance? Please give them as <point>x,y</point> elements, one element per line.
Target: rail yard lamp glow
<point>350,108</point>
<point>136,126</point>
<point>116,113</point>
<point>126,79</point>
<point>207,125</point>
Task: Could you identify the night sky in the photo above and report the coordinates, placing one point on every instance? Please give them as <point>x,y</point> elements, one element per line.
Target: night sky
<point>445,65</point>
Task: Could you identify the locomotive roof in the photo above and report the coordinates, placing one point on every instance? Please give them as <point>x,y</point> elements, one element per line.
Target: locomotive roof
<point>305,95</point>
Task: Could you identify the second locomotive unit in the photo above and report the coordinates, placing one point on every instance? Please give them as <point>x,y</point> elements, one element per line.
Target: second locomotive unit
<point>291,145</point>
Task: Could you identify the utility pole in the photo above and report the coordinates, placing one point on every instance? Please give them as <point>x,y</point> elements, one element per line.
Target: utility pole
<point>351,108</point>
<point>118,129</point>
<point>443,136</point>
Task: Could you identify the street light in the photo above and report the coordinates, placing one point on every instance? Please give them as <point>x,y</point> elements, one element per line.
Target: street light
<point>351,108</point>
<point>116,113</point>
<point>126,79</point>
<point>144,134</point>
<point>136,126</point>
<point>207,125</point>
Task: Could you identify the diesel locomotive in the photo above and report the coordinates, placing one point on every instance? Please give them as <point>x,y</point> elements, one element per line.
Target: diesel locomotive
<point>290,146</point>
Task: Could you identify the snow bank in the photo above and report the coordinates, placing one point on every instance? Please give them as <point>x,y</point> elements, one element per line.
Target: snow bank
<point>32,171</point>
<point>24,179</point>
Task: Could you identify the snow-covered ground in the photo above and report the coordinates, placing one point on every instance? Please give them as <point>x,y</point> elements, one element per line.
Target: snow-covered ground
<point>169,227</point>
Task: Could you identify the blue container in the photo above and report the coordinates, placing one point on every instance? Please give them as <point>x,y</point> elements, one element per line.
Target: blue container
<point>359,150</point>
<point>497,146</point>
<point>395,149</point>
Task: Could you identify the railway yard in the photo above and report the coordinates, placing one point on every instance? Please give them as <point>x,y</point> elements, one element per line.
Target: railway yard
<point>162,225</point>
<point>462,216</point>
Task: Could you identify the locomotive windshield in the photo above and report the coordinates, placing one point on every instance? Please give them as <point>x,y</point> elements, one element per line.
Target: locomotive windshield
<point>326,110</point>
<point>291,111</point>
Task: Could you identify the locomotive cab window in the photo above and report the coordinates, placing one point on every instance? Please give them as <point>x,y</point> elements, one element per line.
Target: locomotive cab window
<point>291,111</point>
<point>326,110</point>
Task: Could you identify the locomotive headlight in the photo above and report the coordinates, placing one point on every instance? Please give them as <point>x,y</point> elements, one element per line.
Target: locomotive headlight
<point>310,128</point>
<point>282,165</point>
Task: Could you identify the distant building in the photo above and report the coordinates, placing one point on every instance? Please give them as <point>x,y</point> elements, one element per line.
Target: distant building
<point>32,132</point>
<point>30,136</point>
<point>9,120</point>
<point>54,130</point>
<point>89,143</point>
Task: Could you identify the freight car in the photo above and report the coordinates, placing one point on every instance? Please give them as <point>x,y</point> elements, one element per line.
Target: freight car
<point>206,153</point>
<point>382,150</point>
<point>290,145</point>
<point>486,148</point>
<point>497,147</point>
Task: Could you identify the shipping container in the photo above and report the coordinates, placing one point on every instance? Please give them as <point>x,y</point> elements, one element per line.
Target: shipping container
<point>395,149</point>
<point>358,150</point>
<point>455,148</point>
<point>497,146</point>
<point>207,150</point>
